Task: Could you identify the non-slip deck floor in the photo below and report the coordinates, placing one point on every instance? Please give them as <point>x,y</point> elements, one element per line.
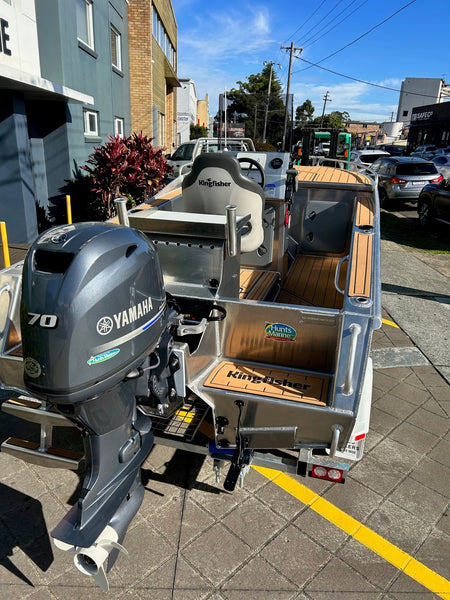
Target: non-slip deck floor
<point>310,282</point>
<point>276,383</point>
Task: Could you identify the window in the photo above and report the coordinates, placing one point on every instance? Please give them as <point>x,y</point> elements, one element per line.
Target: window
<point>118,126</point>
<point>116,48</point>
<point>90,123</point>
<point>85,22</point>
<point>160,35</point>
<point>162,123</point>
<point>405,113</point>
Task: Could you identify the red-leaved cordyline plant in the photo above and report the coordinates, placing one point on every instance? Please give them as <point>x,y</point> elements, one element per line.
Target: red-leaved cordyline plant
<point>127,166</point>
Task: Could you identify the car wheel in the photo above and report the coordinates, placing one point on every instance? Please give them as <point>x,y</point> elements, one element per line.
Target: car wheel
<point>384,200</point>
<point>424,212</point>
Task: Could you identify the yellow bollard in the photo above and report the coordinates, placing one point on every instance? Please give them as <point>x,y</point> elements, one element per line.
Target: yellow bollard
<point>69,210</point>
<point>4,237</point>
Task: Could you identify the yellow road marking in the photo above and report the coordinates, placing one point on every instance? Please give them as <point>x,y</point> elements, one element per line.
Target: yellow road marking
<point>369,538</point>
<point>391,323</point>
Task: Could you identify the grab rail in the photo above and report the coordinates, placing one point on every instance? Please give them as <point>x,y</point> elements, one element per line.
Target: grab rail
<point>355,330</point>
<point>338,272</point>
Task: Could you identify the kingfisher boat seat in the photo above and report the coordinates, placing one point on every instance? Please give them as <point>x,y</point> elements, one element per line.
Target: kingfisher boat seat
<point>215,182</point>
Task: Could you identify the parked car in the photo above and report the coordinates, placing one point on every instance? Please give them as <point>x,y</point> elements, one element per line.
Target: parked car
<point>442,162</point>
<point>442,151</point>
<point>366,157</point>
<point>392,149</point>
<point>403,177</point>
<point>322,149</point>
<point>425,151</point>
<point>181,160</point>
<point>434,203</point>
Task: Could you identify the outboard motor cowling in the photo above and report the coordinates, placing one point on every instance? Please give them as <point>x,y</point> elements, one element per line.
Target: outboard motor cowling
<point>93,304</point>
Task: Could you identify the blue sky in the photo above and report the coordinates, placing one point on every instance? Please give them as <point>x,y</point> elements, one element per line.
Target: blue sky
<point>220,43</point>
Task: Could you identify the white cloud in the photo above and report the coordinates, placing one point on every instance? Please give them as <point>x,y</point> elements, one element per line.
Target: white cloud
<point>361,101</point>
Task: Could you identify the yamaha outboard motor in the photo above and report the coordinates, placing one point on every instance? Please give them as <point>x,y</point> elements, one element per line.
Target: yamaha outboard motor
<point>93,313</point>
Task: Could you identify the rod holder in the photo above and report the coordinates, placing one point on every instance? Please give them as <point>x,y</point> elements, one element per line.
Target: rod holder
<point>231,229</point>
<point>122,214</point>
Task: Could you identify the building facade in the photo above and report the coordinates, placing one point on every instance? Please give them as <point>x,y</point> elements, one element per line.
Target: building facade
<point>420,91</point>
<point>365,133</point>
<point>64,87</point>
<point>203,112</point>
<point>153,67</point>
<point>429,125</point>
<point>186,109</point>
<point>73,72</point>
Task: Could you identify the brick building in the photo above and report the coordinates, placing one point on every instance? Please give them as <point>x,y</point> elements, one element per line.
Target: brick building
<point>365,133</point>
<point>153,65</point>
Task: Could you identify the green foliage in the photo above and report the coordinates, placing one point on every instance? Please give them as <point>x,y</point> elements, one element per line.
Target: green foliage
<point>126,167</point>
<point>304,113</point>
<point>335,120</point>
<point>197,131</point>
<point>249,101</point>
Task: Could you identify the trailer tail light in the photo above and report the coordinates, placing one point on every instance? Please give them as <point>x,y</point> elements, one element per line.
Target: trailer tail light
<point>437,179</point>
<point>328,473</point>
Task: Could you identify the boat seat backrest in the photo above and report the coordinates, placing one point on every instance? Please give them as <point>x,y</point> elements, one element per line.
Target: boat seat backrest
<point>216,181</point>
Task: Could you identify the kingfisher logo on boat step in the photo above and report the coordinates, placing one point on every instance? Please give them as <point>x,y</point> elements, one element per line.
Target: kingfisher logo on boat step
<point>271,382</point>
<point>280,332</point>
<point>257,379</point>
<point>213,183</point>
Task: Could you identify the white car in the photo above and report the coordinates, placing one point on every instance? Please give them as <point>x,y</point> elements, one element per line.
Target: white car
<point>442,162</point>
<point>366,157</point>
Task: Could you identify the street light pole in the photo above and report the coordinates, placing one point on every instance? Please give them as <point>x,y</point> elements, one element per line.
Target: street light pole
<point>292,50</point>
<point>265,63</point>
<point>325,100</point>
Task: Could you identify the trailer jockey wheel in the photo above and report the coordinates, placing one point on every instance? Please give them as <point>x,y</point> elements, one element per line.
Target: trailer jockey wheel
<point>252,163</point>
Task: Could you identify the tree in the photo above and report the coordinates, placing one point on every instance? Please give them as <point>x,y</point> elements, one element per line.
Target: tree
<point>304,113</point>
<point>197,131</point>
<point>248,104</point>
<point>128,166</point>
<point>335,120</point>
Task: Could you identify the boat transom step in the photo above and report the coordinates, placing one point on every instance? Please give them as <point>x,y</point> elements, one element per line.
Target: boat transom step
<point>282,384</point>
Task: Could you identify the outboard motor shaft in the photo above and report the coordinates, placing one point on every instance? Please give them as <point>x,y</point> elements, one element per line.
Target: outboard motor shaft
<point>93,309</point>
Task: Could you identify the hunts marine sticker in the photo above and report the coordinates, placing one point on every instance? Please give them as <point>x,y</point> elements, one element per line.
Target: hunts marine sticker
<point>280,332</point>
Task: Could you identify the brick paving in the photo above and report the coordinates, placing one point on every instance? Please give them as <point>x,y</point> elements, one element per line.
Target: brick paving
<point>191,540</point>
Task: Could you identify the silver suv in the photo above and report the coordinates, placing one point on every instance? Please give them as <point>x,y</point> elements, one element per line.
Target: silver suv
<point>403,177</point>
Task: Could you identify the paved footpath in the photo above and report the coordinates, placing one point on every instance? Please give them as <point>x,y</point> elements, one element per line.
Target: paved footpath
<point>385,534</point>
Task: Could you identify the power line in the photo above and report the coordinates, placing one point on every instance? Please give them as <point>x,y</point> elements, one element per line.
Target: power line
<point>361,36</point>
<point>322,20</point>
<point>308,19</point>
<point>312,41</point>
<point>383,87</point>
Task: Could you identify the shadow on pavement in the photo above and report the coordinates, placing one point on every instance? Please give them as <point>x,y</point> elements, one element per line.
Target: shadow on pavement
<point>24,526</point>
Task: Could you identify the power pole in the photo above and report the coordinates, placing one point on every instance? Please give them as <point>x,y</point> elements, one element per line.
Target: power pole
<point>265,63</point>
<point>286,112</point>
<point>325,100</point>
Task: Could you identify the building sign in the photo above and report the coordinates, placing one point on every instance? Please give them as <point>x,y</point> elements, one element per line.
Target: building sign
<point>422,116</point>
<point>4,37</point>
<point>18,38</point>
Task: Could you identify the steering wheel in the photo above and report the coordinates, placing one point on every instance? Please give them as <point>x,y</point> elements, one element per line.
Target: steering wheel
<point>253,163</point>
